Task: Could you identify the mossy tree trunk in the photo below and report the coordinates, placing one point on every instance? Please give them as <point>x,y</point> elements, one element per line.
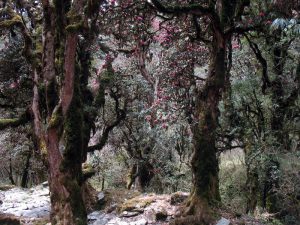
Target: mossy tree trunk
<point>64,142</point>
<point>204,161</point>
<point>222,15</point>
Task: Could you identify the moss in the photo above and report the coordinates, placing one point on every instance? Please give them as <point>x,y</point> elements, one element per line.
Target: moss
<point>75,27</point>
<point>75,21</point>
<point>136,204</point>
<point>43,148</point>
<point>75,199</point>
<point>14,122</point>
<point>16,20</point>
<point>6,122</point>
<point>6,187</point>
<point>56,118</point>
<point>87,171</point>
<point>38,48</point>
<point>106,77</point>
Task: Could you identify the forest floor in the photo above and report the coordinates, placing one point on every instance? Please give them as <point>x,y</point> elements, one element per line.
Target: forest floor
<point>115,207</point>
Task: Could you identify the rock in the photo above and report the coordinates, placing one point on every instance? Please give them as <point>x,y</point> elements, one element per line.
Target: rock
<point>139,222</point>
<point>101,198</point>
<point>111,208</point>
<point>8,219</point>
<point>161,215</point>
<point>117,221</point>
<point>223,221</point>
<point>178,197</point>
<point>129,214</point>
<point>150,216</point>
<point>6,187</point>
<point>137,204</point>
<point>45,184</point>
<point>99,218</point>
<point>95,215</point>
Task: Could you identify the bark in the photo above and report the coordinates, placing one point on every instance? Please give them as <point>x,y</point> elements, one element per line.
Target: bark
<point>65,114</point>
<point>204,160</point>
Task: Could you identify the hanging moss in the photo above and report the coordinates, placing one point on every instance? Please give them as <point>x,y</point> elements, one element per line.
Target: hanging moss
<point>75,22</point>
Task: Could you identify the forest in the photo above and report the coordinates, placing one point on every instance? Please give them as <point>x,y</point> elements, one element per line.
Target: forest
<point>139,112</point>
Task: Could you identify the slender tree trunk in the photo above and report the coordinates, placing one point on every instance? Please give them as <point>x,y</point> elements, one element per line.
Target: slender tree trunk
<point>25,173</point>
<point>10,173</point>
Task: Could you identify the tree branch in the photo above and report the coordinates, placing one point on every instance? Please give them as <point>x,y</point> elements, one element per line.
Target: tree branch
<point>195,9</point>
<point>121,115</point>
<point>262,61</point>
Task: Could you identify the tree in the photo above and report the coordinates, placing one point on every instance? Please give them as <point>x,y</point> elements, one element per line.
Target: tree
<point>221,18</point>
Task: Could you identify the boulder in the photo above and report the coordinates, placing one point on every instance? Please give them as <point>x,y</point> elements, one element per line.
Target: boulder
<point>8,219</point>
<point>178,197</point>
<point>223,221</point>
<point>161,215</point>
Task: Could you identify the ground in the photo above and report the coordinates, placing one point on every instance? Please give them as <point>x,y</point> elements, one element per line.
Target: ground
<point>115,207</point>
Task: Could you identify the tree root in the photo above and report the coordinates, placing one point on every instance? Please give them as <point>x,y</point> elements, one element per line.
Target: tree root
<point>195,212</point>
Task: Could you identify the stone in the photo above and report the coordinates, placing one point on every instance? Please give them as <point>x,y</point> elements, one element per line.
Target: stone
<point>111,208</point>
<point>99,218</point>
<point>161,215</point>
<point>139,222</point>
<point>129,214</point>
<point>223,221</point>
<point>8,219</point>
<point>178,197</point>
<point>101,198</point>
<point>95,215</point>
<point>117,221</point>
<point>45,184</point>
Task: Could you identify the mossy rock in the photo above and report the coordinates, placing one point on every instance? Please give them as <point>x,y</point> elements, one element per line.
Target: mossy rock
<point>178,197</point>
<point>6,187</point>
<point>8,219</point>
<point>114,198</point>
<point>137,204</point>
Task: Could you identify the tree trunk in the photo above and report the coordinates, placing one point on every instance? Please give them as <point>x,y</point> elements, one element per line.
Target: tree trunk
<point>10,173</point>
<point>25,173</point>
<point>205,192</point>
<point>65,174</point>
